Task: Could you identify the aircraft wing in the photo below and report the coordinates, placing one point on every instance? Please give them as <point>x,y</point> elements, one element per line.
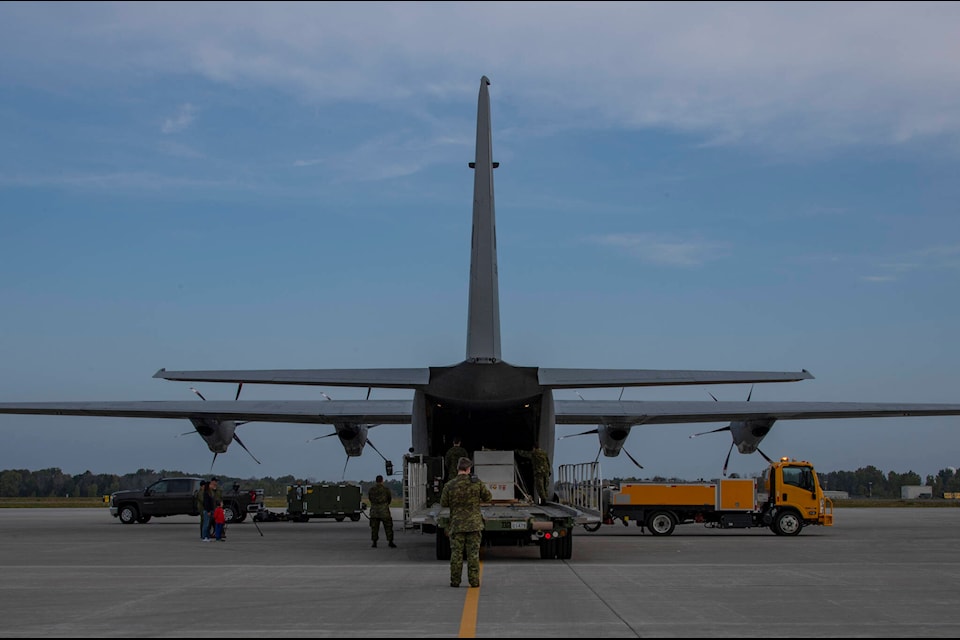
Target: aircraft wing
<point>587,378</point>
<point>636,412</point>
<point>307,411</point>
<point>379,378</point>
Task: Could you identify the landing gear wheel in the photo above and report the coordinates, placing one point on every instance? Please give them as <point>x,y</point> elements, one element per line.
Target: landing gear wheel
<point>661,523</point>
<point>787,523</point>
<point>128,514</point>
<point>443,545</point>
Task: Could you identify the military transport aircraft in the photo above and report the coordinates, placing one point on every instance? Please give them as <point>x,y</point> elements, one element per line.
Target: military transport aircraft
<point>484,399</point>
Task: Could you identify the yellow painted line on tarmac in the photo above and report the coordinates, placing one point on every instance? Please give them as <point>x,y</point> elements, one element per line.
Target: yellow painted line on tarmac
<point>468,621</point>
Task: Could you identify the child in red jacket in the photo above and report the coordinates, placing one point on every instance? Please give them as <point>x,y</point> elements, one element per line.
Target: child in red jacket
<point>220,518</point>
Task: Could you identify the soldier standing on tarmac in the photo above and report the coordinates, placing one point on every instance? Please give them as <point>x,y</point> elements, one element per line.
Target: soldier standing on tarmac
<point>463,496</point>
<point>380,499</point>
<point>198,503</point>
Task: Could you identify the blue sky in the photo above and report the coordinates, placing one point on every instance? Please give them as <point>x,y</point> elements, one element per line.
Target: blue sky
<point>692,186</point>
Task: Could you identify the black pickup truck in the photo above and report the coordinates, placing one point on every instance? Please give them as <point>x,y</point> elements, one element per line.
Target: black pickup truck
<point>177,496</point>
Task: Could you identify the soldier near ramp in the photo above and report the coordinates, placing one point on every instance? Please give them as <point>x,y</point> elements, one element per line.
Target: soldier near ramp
<point>463,496</point>
<point>380,499</point>
<point>541,471</point>
<point>453,458</point>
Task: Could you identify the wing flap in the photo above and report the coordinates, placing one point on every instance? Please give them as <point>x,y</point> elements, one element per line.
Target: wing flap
<point>310,412</point>
<point>637,412</point>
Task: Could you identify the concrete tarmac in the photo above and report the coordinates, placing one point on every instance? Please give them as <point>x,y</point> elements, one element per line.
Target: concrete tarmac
<point>80,573</point>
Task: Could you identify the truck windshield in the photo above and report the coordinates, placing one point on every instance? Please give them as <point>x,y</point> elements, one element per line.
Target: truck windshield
<point>798,477</point>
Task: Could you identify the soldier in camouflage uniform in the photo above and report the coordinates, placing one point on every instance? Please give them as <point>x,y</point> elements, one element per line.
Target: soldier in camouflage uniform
<point>198,504</point>
<point>453,458</point>
<point>380,499</point>
<point>541,471</point>
<point>463,496</point>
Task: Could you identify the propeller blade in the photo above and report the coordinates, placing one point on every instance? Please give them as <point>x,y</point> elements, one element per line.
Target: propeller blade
<point>599,451</point>
<point>727,461</point>
<point>621,394</point>
<point>375,449</point>
<point>325,396</point>
<point>369,389</point>
<point>237,397</point>
<point>186,433</point>
<point>346,462</point>
<point>240,442</point>
<point>769,461</point>
<point>214,460</point>
<point>750,394</point>
<point>198,393</point>
<point>585,433</point>
<point>578,395</point>
<point>319,437</point>
<point>632,458</point>
<point>712,396</point>
<point>727,428</point>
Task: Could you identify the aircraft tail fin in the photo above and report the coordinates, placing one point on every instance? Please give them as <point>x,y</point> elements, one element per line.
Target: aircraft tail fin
<point>483,322</point>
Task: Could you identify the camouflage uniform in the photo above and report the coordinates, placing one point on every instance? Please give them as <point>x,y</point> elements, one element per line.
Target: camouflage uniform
<point>463,495</point>
<point>380,499</point>
<point>541,471</point>
<point>198,504</point>
<point>452,458</point>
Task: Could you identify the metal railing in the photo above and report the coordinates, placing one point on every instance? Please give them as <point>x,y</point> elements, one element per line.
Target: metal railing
<point>580,486</point>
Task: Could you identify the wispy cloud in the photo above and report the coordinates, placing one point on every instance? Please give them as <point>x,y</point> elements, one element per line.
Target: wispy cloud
<point>183,119</point>
<point>665,251</point>
<point>784,76</point>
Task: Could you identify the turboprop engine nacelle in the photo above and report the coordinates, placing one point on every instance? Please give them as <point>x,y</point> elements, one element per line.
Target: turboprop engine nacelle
<point>748,434</point>
<point>218,434</point>
<point>612,438</point>
<point>353,437</point>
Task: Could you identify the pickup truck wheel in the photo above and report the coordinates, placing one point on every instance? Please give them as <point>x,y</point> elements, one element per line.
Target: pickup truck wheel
<point>143,519</point>
<point>787,523</point>
<point>128,514</point>
<point>443,545</point>
<point>661,523</point>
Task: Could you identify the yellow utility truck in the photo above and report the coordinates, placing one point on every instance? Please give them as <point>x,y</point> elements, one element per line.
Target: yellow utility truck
<point>786,498</point>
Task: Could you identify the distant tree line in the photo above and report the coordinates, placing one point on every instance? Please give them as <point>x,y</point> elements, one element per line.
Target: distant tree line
<point>49,483</point>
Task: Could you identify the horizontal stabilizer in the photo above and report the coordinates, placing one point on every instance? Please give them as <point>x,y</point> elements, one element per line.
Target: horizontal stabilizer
<point>588,378</point>
<point>378,378</point>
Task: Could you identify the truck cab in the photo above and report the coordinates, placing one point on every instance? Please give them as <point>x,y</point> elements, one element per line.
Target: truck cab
<point>792,496</point>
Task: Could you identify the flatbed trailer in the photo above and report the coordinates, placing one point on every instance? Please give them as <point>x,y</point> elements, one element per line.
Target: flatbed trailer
<point>513,518</point>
